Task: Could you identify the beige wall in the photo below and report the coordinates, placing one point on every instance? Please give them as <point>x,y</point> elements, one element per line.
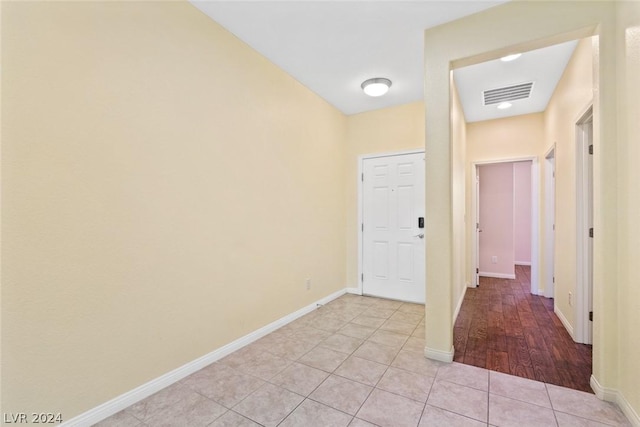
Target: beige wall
<point>489,35</point>
<point>166,190</point>
<point>380,131</point>
<point>570,100</point>
<point>508,138</point>
<point>628,33</point>
<point>496,140</point>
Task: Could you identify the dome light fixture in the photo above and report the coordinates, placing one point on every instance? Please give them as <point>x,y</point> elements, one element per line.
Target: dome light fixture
<point>511,57</point>
<point>376,87</point>
<point>504,105</point>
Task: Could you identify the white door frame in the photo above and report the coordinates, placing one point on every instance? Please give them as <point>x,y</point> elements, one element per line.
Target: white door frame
<point>535,215</point>
<point>549,223</point>
<point>584,264</point>
<point>476,234</point>
<point>361,160</point>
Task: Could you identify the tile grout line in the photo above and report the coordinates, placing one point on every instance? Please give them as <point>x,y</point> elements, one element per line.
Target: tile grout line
<point>373,388</point>
<point>290,362</point>
<point>349,355</point>
<point>333,373</point>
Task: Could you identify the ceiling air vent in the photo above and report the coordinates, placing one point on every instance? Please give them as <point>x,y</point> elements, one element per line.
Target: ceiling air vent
<point>507,93</point>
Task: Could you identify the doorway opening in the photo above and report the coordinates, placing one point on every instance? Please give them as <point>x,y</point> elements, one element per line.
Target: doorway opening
<point>553,130</point>
<point>505,219</point>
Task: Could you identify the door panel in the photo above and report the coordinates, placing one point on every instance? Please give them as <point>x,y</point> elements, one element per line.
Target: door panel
<point>393,251</point>
<point>381,260</point>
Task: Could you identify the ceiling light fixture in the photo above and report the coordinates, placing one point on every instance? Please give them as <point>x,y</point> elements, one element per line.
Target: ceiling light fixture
<point>376,87</point>
<point>504,105</point>
<point>511,57</point>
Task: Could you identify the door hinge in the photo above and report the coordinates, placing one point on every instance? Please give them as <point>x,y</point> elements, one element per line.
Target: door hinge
<point>591,316</point>
<point>362,226</point>
<point>362,177</point>
<point>477,226</point>
<point>477,270</point>
<point>553,279</point>
<point>591,232</point>
<point>554,227</point>
<point>591,149</point>
<point>362,277</point>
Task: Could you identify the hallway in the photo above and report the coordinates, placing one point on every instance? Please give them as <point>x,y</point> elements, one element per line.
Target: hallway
<point>503,327</point>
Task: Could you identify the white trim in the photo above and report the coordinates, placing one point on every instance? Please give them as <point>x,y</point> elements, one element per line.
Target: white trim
<point>508,160</point>
<point>361,159</point>
<point>475,236</point>
<point>354,290</point>
<point>627,409</point>
<point>459,305</point>
<point>603,393</point>
<point>442,356</point>
<point>535,218</point>
<point>523,262</point>
<point>564,320</point>
<point>127,399</point>
<point>360,221</point>
<point>497,275</point>
<point>390,154</point>
<point>548,229</point>
<point>613,395</point>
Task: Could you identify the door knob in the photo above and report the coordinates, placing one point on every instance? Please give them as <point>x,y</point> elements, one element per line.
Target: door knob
<point>421,235</point>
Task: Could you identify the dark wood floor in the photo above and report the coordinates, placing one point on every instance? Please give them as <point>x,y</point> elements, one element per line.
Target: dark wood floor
<point>503,327</point>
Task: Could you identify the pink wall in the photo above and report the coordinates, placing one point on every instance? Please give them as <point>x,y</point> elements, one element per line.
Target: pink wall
<point>522,212</point>
<point>496,220</point>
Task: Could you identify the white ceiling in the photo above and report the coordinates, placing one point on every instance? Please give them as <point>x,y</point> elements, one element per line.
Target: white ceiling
<point>331,47</point>
<point>543,67</point>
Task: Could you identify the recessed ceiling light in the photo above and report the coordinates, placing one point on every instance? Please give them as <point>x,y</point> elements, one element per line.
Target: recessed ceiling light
<point>504,105</point>
<point>376,87</point>
<point>510,57</point>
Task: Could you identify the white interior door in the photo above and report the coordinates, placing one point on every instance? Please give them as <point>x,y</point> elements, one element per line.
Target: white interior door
<point>584,229</point>
<point>550,224</point>
<point>587,129</point>
<point>589,337</point>
<point>393,256</point>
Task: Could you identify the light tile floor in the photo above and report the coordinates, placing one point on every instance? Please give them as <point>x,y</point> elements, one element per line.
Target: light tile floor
<point>358,361</point>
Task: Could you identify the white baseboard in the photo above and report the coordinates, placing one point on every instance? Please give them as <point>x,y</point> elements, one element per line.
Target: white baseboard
<point>523,263</point>
<point>442,356</point>
<point>498,275</point>
<point>564,321</point>
<point>613,395</point>
<point>459,305</point>
<point>355,291</point>
<point>603,393</point>
<point>127,399</point>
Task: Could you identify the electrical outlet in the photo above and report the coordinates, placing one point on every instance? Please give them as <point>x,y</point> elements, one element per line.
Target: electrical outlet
<point>494,259</point>
<point>570,299</point>
<point>308,283</point>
